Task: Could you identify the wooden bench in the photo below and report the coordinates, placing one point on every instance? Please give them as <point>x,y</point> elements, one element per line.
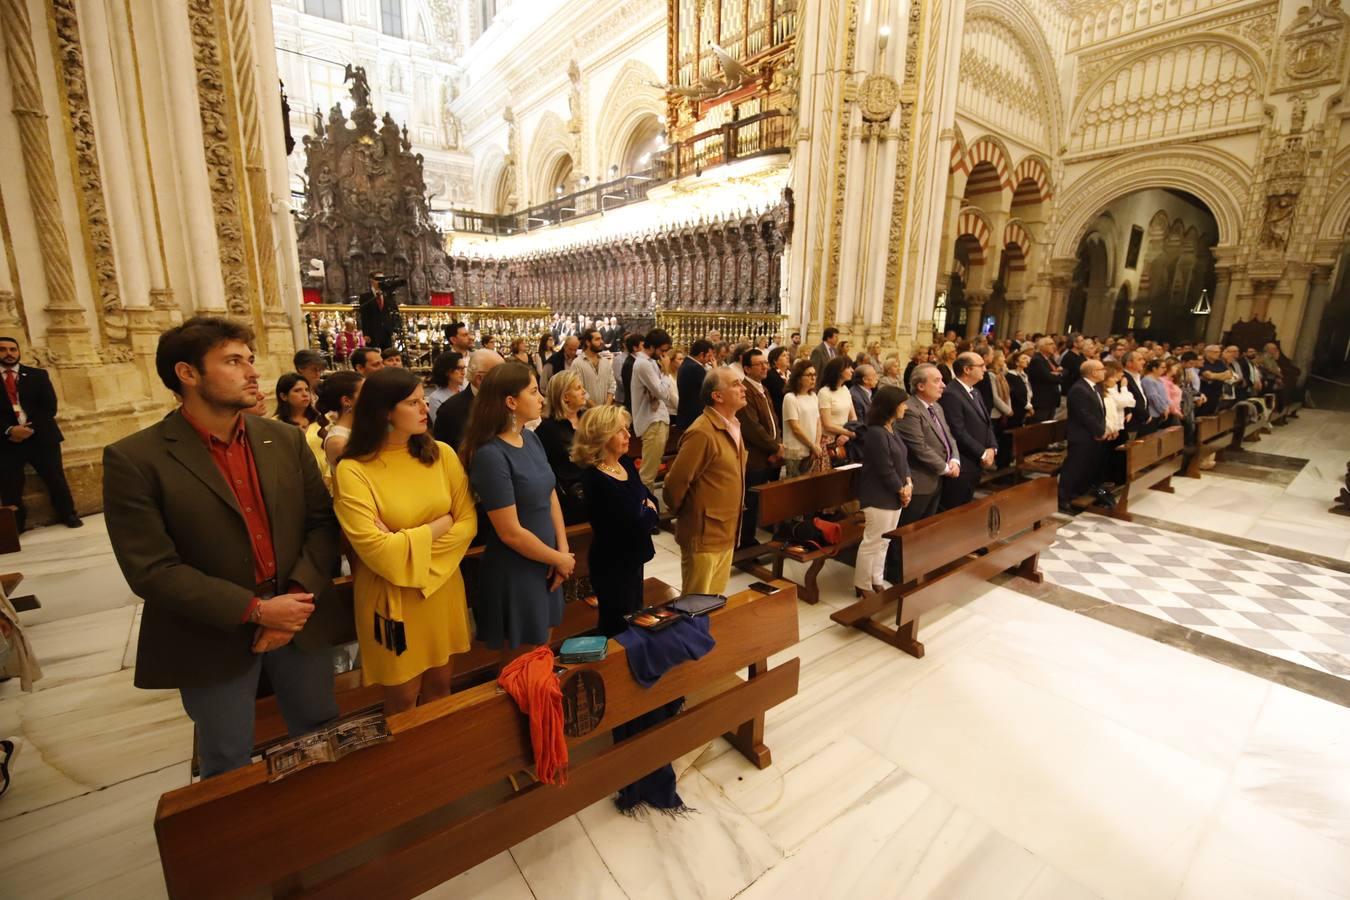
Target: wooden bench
<point>480,664</point>
<point>1243,432</point>
<point>1150,463</point>
<point>1212,435</point>
<point>1036,438</point>
<point>791,498</point>
<point>948,556</point>
<point>396,819</point>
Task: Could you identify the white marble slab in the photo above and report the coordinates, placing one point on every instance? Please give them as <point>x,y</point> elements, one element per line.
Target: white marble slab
<point>712,853</point>
<point>561,863</point>
<point>1117,812</point>
<point>791,803</point>
<point>77,648</point>
<point>101,844</point>
<point>89,735</point>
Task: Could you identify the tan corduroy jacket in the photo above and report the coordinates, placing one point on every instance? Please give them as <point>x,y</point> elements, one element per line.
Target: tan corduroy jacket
<point>705,486</point>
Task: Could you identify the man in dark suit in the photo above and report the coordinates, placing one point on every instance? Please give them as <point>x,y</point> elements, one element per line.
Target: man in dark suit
<point>378,314</point>
<point>933,455</point>
<point>1044,376</point>
<point>825,351</point>
<point>1070,361</point>
<point>453,416</point>
<point>1137,419</point>
<point>221,523</point>
<point>1086,428</point>
<point>968,418</point>
<point>763,438</point>
<point>689,381</point>
<point>31,437</point>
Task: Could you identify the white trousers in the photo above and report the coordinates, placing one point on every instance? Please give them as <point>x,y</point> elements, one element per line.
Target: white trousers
<point>871,566</point>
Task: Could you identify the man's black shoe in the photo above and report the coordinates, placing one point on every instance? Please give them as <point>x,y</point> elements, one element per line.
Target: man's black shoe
<point>74,522</point>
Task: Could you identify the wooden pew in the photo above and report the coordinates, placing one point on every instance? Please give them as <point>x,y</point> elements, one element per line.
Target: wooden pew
<point>1034,438</point>
<point>396,819</point>
<point>480,664</point>
<point>1243,432</point>
<point>805,495</point>
<point>1212,436</point>
<point>947,556</point>
<point>1150,463</point>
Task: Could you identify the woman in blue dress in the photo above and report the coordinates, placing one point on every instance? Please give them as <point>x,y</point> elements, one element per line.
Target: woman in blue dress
<point>526,559</point>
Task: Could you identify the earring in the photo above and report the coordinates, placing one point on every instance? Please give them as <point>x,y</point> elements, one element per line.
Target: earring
<point>513,422</point>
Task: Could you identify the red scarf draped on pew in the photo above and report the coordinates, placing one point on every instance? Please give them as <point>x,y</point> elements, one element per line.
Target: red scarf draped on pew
<point>530,681</point>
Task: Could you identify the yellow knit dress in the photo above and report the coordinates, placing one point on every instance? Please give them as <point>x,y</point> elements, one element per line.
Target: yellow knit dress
<point>404,575</point>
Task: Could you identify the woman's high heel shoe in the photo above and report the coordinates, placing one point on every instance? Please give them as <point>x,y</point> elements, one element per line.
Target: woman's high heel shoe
<point>7,749</point>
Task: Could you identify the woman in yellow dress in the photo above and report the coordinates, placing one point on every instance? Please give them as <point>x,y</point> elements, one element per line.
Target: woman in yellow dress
<point>403,501</point>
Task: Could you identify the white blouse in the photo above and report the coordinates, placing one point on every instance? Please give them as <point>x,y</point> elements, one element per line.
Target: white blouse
<point>802,409</point>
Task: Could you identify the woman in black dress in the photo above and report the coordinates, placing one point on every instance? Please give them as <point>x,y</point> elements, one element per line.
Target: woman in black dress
<point>622,513</point>
<point>566,402</point>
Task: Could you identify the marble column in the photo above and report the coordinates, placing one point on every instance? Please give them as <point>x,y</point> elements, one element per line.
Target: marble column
<point>1061,280</point>
<point>1223,282</point>
<point>1319,294</point>
<point>975,301</point>
<point>1013,320</point>
<point>68,338</point>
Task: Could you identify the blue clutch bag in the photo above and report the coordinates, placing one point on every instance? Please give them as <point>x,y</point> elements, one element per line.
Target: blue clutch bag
<point>583,649</point>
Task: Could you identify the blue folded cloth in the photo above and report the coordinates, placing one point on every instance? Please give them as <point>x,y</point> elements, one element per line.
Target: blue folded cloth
<point>652,654</point>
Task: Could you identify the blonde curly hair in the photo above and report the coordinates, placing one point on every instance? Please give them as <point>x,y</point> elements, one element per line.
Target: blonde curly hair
<point>596,427</point>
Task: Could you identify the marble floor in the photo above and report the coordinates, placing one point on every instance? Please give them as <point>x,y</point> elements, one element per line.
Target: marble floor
<point>1034,753</point>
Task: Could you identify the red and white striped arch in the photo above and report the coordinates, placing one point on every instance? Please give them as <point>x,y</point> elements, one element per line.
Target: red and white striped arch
<point>1031,170</point>
<point>971,224</point>
<point>988,150</point>
<point>1015,233</point>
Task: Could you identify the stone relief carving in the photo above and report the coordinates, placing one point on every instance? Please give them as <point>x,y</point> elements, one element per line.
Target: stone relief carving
<point>840,175</point>
<point>878,97</point>
<point>223,178</point>
<point>89,178</point>
<point>1207,84</point>
<point>452,133</point>
<point>254,181</point>
<point>66,323</point>
<point>1312,50</point>
<point>901,188</point>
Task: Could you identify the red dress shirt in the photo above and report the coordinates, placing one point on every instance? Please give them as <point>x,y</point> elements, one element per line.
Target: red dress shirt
<point>235,462</point>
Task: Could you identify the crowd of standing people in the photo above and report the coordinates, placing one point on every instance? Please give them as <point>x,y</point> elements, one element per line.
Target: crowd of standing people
<point>509,450</point>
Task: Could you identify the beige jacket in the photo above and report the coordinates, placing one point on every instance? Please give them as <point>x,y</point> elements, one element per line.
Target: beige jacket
<point>705,486</point>
<point>19,660</point>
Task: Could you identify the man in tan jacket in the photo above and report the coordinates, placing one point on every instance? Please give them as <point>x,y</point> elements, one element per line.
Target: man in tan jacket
<point>705,485</point>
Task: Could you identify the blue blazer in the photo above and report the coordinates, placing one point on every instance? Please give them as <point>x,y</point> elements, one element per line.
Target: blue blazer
<point>885,468</point>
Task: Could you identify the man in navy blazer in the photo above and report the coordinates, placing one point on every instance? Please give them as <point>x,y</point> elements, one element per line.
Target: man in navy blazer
<point>31,437</point>
<point>1086,431</point>
<point>689,381</point>
<point>972,428</point>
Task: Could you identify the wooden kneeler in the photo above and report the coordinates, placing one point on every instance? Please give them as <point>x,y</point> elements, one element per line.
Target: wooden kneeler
<point>396,819</point>
<point>945,557</point>
<point>1150,463</point>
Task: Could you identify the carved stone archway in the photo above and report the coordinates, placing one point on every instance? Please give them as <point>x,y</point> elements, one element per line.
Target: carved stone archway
<point>550,142</point>
<point>1217,178</point>
<point>630,100</point>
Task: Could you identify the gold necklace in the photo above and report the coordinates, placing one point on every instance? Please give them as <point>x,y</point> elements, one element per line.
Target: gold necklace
<point>611,468</point>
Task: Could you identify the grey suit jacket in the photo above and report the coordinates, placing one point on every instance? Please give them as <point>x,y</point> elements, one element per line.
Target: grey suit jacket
<point>927,456</point>
<point>180,538</point>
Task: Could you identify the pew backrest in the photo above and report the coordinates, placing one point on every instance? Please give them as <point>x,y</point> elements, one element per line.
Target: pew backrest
<point>1145,452</point>
<point>975,525</point>
<point>236,833</point>
<point>788,498</point>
